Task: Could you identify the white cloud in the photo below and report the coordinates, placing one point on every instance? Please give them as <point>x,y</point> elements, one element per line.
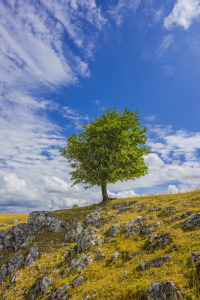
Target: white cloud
<point>150,118</point>
<point>123,8</point>
<point>183,14</point>
<point>32,48</point>
<point>167,41</point>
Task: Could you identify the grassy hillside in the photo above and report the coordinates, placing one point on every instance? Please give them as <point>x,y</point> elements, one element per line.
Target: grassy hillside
<point>123,278</point>
<point>7,220</point>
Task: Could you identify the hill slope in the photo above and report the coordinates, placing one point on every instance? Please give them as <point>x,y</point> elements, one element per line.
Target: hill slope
<point>113,252</point>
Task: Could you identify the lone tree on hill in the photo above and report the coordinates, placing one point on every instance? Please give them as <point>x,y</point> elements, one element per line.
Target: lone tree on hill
<point>109,149</point>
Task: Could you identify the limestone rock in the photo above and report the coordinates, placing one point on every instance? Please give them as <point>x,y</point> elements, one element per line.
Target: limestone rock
<point>33,254</point>
<point>162,291</point>
<point>143,207</point>
<point>57,293</point>
<point>153,209</point>
<point>77,281</point>
<point>152,237</point>
<point>191,222</point>
<point>44,218</point>
<point>163,239</point>
<point>159,261</point>
<point>93,219</point>
<point>195,257</point>
<point>3,272</point>
<point>87,240</point>
<point>114,230</point>
<point>170,210</point>
<point>43,285</point>
<point>187,214</point>
<point>157,224</point>
<point>86,297</point>
<point>14,263</point>
<point>115,256</point>
<point>142,264</point>
<point>74,234</point>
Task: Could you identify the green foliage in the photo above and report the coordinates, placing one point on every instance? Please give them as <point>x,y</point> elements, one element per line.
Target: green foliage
<point>109,149</point>
<point>75,206</point>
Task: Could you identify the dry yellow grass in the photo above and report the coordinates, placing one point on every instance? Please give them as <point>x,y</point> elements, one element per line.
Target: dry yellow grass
<point>9,218</point>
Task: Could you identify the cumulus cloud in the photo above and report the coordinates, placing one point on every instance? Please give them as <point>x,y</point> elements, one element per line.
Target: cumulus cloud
<point>183,14</point>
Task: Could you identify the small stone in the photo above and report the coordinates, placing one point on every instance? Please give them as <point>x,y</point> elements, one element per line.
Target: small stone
<point>152,237</point>
<point>195,257</point>
<point>114,230</point>
<point>162,291</point>
<point>143,207</point>
<point>157,224</point>
<point>86,297</point>
<point>77,281</point>
<point>142,264</point>
<point>115,256</point>
<point>159,261</point>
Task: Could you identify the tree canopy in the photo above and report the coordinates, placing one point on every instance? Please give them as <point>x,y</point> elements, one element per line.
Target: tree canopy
<point>109,149</point>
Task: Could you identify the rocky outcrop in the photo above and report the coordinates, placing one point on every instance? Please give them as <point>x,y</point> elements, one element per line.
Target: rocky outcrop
<point>57,293</point>
<point>19,236</point>
<point>114,230</point>
<point>170,210</point>
<point>93,219</point>
<point>44,218</point>
<point>43,285</point>
<point>33,254</point>
<point>162,291</point>
<point>159,261</point>
<point>74,234</point>
<point>12,265</point>
<point>88,240</point>
<point>191,222</point>
<point>77,281</point>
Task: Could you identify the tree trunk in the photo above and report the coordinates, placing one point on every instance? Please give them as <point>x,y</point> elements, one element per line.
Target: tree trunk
<point>104,193</point>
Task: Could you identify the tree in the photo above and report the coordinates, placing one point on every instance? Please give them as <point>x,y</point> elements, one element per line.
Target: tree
<point>109,149</point>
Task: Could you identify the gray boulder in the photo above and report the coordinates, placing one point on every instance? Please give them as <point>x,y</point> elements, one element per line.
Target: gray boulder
<point>81,262</point>
<point>163,239</point>
<point>3,272</point>
<point>142,264</point>
<point>22,234</point>
<point>114,230</point>
<point>159,261</point>
<point>115,256</point>
<point>92,219</point>
<point>12,265</point>
<point>87,240</point>
<point>1,247</point>
<point>77,281</point>
<point>143,207</point>
<point>157,224</point>
<point>45,218</point>
<point>170,210</point>
<point>33,254</point>
<point>162,291</point>
<point>153,209</point>
<point>187,214</point>
<point>43,285</point>
<point>57,293</point>
<point>195,257</point>
<point>191,222</point>
<point>86,297</point>
<point>74,234</point>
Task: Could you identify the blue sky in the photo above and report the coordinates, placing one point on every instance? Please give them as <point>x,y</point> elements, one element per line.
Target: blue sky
<point>63,63</point>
